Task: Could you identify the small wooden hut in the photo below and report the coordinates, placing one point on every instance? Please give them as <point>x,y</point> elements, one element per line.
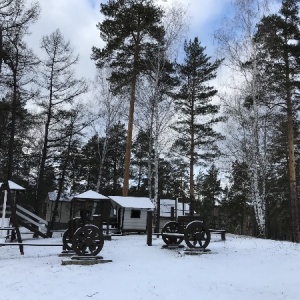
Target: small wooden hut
<point>63,211</point>
<point>131,212</point>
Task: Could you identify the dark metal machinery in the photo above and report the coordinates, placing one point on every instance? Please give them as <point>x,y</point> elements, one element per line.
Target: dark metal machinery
<point>85,231</point>
<point>191,229</point>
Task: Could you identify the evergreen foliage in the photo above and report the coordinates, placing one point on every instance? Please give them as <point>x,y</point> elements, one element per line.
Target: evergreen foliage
<point>43,147</point>
<point>131,31</point>
<point>278,39</point>
<point>211,196</point>
<point>197,137</point>
<point>236,207</point>
<point>90,157</point>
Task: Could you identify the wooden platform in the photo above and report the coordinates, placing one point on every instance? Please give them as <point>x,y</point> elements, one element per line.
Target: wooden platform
<point>85,260</point>
<point>196,251</point>
<point>222,232</point>
<point>30,244</point>
<point>176,246</point>
<point>7,228</point>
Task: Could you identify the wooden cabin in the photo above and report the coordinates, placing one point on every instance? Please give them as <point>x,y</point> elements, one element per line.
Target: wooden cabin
<point>63,212</point>
<point>131,212</point>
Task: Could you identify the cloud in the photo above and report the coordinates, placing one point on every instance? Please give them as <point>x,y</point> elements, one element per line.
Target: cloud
<point>77,21</point>
<point>204,17</point>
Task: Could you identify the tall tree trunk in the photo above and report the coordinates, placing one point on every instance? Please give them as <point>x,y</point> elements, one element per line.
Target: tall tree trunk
<point>156,153</point>
<point>192,149</point>
<point>258,197</point>
<point>192,192</point>
<point>1,48</point>
<point>130,122</point>
<point>60,188</point>
<point>13,127</point>
<point>101,163</point>
<point>291,157</point>
<point>40,180</point>
<point>150,159</point>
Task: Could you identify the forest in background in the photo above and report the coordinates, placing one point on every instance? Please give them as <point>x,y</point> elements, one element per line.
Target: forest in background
<point>154,124</point>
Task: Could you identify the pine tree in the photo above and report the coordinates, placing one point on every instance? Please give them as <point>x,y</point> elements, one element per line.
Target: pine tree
<point>140,151</point>
<point>236,204</point>
<point>278,39</point>
<point>131,31</point>
<point>211,192</point>
<point>112,167</point>
<point>17,63</point>
<point>196,134</point>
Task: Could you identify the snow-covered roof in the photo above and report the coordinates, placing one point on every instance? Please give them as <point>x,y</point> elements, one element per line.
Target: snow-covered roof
<point>90,195</point>
<point>13,186</point>
<point>132,202</point>
<point>166,204</point>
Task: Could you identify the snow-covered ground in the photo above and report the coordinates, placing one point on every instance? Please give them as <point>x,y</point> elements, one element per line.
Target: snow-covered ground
<point>240,268</point>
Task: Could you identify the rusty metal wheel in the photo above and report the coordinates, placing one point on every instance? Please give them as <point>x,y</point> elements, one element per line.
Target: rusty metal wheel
<point>67,242</point>
<point>88,240</point>
<point>196,235</point>
<point>169,232</point>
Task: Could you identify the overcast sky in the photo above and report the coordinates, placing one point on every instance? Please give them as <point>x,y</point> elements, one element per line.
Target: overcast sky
<point>77,21</point>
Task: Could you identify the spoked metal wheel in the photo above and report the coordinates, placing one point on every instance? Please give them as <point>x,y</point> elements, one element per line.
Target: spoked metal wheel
<point>67,242</point>
<point>169,232</point>
<point>88,240</point>
<point>196,235</point>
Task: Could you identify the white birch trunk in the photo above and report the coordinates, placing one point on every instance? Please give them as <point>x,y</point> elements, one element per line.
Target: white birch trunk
<point>101,163</point>
<point>239,49</point>
<point>258,197</point>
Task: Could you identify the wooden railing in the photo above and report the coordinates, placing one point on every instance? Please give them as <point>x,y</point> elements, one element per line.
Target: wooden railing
<point>31,221</point>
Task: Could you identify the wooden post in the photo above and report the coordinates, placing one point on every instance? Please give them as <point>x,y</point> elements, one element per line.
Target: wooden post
<point>157,217</point>
<point>149,227</point>
<point>107,226</point>
<point>172,213</point>
<point>5,186</point>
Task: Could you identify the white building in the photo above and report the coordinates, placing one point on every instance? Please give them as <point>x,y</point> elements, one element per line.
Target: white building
<point>131,212</point>
<point>180,209</point>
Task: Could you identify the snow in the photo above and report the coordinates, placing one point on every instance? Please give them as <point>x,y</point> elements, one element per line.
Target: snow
<point>13,186</point>
<point>132,202</point>
<point>238,268</point>
<point>90,195</point>
<point>63,197</point>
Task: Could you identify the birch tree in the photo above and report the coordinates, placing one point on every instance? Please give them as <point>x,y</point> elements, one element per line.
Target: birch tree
<point>110,112</point>
<point>236,43</point>
<point>155,102</point>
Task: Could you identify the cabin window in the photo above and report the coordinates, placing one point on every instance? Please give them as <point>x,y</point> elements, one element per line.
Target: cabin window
<point>135,213</point>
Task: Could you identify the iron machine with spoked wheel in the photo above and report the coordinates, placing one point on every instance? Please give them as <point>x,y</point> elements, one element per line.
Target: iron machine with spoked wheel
<point>84,235</point>
<point>188,228</point>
